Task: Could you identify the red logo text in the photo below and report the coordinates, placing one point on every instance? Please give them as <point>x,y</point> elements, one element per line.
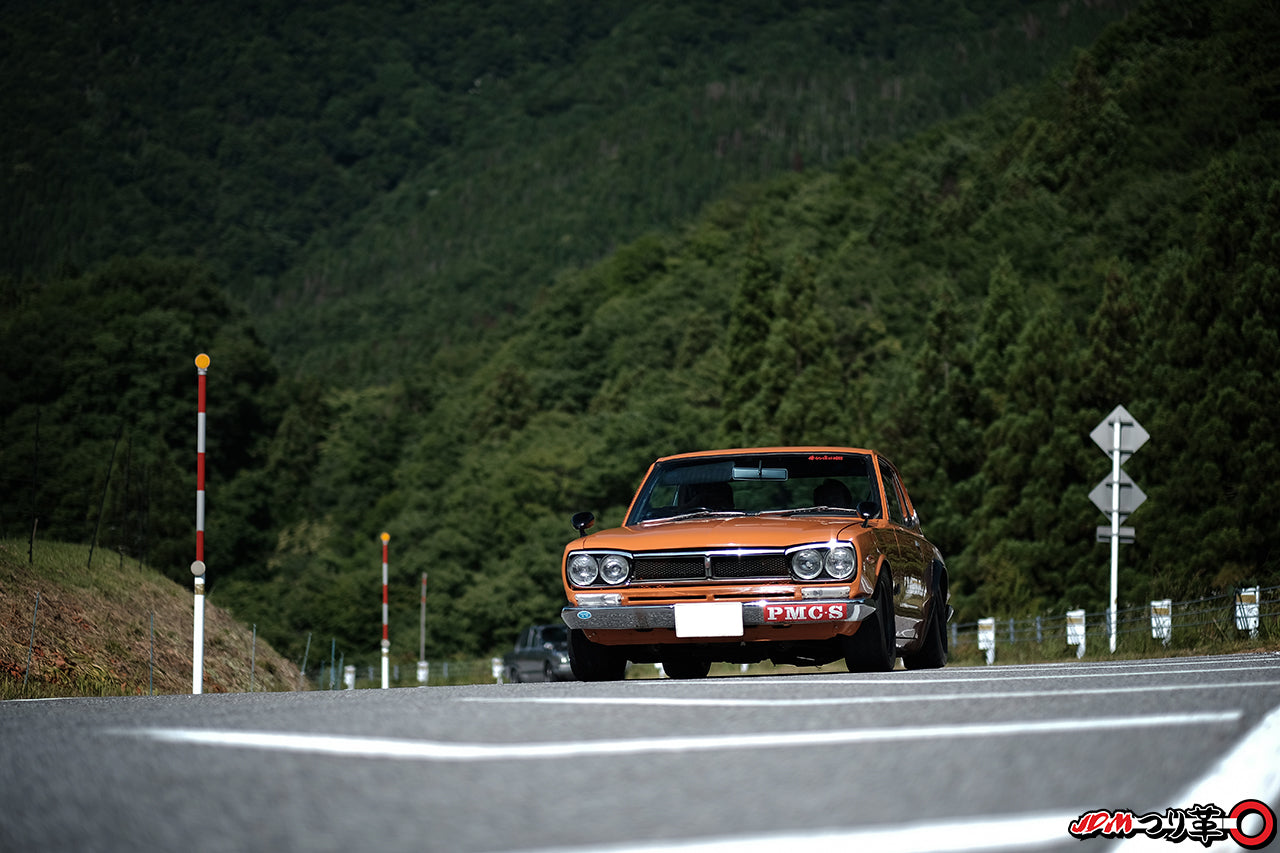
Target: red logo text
<point>825,612</point>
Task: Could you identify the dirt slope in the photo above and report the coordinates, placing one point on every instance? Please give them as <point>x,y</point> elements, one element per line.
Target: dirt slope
<point>94,630</point>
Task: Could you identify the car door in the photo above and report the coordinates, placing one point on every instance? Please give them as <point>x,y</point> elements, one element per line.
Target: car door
<point>909,569</point>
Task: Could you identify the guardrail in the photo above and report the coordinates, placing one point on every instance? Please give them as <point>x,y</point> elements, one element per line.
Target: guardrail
<point>339,676</point>
<point>1252,613</point>
<point>1206,623</point>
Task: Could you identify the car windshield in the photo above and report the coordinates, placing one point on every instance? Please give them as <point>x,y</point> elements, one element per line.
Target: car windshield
<point>754,484</point>
<point>557,635</point>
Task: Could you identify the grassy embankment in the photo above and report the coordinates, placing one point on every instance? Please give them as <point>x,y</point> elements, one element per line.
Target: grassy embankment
<point>116,628</point>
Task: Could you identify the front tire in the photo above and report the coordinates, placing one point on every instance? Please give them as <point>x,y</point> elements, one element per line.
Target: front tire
<point>933,651</point>
<point>594,662</point>
<point>874,647</point>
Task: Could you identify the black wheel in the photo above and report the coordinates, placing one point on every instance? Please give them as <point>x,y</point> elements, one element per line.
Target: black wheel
<point>548,674</point>
<point>594,662</point>
<point>513,675</point>
<point>686,666</point>
<point>874,647</point>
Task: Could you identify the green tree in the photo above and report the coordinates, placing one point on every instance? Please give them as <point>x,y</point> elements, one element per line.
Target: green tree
<point>1212,344</point>
<point>750,320</point>
<point>111,353</point>
<point>801,371</point>
<point>932,430</point>
<point>1034,516</point>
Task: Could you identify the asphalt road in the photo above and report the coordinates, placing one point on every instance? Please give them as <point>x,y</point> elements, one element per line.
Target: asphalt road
<point>983,758</point>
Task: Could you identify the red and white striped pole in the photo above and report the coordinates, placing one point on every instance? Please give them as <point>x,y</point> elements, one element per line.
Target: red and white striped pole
<point>386,643</point>
<point>197,568</point>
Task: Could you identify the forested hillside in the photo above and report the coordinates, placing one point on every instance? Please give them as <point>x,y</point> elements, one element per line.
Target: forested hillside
<point>377,181</point>
<point>972,300</point>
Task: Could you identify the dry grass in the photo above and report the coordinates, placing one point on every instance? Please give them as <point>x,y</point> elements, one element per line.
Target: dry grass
<point>93,633</point>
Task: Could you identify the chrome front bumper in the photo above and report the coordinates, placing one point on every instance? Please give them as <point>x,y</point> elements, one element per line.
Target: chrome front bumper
<point>647,616</point>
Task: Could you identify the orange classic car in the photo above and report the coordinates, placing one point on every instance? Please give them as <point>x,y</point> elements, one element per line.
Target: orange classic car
<point>799,555</point>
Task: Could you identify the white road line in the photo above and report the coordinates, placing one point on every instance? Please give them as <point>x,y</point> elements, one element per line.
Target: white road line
<point>1250,771</point>
<point>677,702</point>
<point>368,747</point>
<point>1020,832</point>
<point>1052,676</point>
<point>1259,659</point>
<point>968,679</point>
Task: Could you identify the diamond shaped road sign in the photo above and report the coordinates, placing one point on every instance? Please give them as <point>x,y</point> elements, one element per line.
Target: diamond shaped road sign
<point>1131,497</point>
<point>1132,435</point>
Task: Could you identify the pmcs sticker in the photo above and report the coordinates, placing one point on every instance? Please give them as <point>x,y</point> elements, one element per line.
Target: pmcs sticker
<point>831,611</point>
<point>584,614</point>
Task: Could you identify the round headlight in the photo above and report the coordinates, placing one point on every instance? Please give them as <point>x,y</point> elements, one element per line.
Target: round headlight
<point>583,569</point>
<point>614,569</point>
<point>806,564</point>
<point>840,563</point>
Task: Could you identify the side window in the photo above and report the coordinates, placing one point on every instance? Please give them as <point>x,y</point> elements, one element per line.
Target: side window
<point>891,494</point>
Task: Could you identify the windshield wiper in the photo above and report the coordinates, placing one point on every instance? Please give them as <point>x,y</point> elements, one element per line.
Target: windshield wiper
<point>842,510</point>
<point>699,513</point>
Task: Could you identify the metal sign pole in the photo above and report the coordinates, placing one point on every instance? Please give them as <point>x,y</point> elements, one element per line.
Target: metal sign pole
<point>1117,496</point>
<point>1115,533</point>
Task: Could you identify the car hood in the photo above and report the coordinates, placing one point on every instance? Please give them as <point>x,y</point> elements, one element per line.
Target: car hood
<point>704,533</point>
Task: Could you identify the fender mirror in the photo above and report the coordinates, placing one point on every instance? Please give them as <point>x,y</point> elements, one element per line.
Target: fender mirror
<point>581,521</point>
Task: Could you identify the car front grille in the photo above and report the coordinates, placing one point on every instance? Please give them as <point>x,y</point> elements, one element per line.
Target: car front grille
<point>723,566</point>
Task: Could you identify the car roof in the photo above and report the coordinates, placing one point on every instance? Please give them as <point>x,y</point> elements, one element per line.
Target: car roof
<point>735,451</point>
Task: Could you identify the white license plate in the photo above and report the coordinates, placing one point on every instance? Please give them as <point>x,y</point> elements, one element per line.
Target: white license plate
<point>709,619</point>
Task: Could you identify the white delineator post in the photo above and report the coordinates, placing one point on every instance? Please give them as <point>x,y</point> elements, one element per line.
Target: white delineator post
<point>1076,631</point>
<point>1247,610</point>
<point>1115,532</point>
<point>386,643</point>
<point>987,638</point>
<point>422,634</point>
<point>1162,620</point>
<point>197,568</point>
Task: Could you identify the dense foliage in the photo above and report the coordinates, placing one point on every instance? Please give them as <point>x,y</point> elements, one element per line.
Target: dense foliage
<point>971,300</point>
<point>377,180</point>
